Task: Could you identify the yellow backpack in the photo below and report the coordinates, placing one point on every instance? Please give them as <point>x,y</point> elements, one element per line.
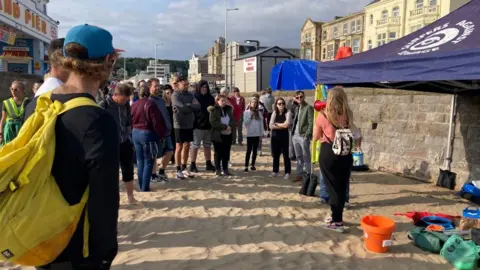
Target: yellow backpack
<point>36,222</point>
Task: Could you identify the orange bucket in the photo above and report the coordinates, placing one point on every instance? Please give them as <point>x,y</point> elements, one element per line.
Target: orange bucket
<point>377,233</point>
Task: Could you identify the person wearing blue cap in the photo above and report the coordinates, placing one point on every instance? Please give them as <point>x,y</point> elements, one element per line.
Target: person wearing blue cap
<point>87,148</point>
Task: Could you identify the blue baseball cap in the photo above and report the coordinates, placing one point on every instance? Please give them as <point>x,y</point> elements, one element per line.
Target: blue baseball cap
<point>97,41</point>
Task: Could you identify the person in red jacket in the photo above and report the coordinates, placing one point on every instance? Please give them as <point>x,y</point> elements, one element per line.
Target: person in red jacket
<point>238,104</point>
<point>148,128</point>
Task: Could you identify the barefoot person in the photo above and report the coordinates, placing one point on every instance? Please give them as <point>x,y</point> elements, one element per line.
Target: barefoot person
<point>119,108</point>
<point>335,169</point>
<point>221,118</point>
<point>201,133</point>
<point>184,105</point>
<point>87,148</point>
<point>253,120</point>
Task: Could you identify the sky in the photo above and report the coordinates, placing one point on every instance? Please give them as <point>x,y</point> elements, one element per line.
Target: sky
<point>185,27</point>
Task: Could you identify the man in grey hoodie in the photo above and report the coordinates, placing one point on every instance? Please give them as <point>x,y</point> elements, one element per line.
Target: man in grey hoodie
<point>184,105</point>
<point>117,105</point>
<point>165,148</point>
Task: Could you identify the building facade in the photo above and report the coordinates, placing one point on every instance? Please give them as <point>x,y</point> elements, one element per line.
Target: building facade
<point>343,31</point>
<point>233,51</point>
<point>388,20</point>
<point>310,40</point>
<point>25,33</point>
<point>215,56</point>
<point>196,66</point>
<point>253,70</point>
<point>163,70</point>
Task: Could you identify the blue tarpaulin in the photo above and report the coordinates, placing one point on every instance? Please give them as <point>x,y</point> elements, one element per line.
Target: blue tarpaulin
<point>441,57</point>
<point>293,75</point>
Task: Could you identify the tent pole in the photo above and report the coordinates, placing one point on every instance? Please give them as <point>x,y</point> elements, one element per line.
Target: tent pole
<point>453,110</point>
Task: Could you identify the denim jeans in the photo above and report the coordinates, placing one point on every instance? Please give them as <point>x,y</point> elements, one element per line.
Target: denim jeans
<point>323,189</point>
<point>146,147</point>
<point>303,154</point>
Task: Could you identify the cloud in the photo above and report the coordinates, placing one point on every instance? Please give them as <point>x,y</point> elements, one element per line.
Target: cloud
<point>189,26</point>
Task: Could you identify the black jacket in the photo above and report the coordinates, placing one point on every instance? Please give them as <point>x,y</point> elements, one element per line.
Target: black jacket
<point>202,116</point>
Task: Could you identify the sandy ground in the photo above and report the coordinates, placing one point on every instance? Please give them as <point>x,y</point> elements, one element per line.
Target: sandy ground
<point>250,221</point>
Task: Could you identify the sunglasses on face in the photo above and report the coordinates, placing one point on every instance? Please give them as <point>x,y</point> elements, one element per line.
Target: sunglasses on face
<point>280,104</point>
<point>299,97</point>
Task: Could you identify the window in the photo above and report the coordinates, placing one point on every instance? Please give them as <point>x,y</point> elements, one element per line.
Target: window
<point>359,26</point>
<point>356,46</point>
<point>392,36</point>
<point>396,11</point>
<point>308,54</point>
<point>414,28</point>
<point>345,29</point>
<point>370,46</point>
<point>433,3</point>
<point>324,35</point>
<point>324,53</point>
<point>371,19</point>
<point>385,14</point>
<point>330,52</point>
<point>347,43</point>
<point>335,32</point>
<point>381,39</point>
<point>419,4</point>
<point>352,26</point>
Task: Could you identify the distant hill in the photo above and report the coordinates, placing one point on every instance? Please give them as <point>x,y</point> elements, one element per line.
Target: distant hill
<point>137,64</point>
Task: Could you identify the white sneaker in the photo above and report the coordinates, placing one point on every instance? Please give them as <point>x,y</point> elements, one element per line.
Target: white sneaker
<point>287,176</point>
<point>230,164</point>
<point>180,175</point>
<point>187,173</point>
<point>163,178</point>
<point>273,175</point>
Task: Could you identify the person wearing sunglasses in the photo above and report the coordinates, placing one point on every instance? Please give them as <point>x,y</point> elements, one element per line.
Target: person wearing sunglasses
<point>302,131</point>
<point>279,124</point>
<point>13,111</point>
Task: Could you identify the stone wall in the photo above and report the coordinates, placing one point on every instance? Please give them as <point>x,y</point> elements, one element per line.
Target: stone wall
<point>412,132</point>
<point>6,79</point>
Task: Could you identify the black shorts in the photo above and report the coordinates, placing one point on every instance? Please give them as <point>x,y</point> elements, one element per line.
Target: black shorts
<point>126,161</point>
<point>183,135</point>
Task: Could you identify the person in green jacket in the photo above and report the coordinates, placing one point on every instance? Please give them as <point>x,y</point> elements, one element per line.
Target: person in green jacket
<point>222,122</point>
<point>13,112</point>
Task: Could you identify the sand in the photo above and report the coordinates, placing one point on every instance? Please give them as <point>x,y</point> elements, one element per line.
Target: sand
<point>250,221</point>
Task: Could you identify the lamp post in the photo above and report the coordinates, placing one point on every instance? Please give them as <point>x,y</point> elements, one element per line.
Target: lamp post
<point>155,66</point>
<point>124,68</point>
<point>257,43</point>
<point>226,43</point>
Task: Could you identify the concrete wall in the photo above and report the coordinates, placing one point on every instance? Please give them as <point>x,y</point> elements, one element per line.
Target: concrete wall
<point>6,79</point>
<point>412,131</point>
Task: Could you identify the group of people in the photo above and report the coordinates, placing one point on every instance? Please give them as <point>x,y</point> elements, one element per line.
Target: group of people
<point>168,122</point>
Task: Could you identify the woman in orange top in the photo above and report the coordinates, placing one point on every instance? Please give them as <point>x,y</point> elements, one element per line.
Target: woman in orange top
<point>336,169</point>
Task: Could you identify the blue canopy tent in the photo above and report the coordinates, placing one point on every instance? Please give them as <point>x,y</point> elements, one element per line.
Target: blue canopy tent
<point>293,75</point>
<point>442,57</point>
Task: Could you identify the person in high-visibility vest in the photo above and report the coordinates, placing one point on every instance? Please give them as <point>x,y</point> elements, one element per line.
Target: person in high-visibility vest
<point>13,112</point>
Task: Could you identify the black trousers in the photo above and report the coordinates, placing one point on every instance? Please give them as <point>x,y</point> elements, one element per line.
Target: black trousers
<point>222,151</point>
<point>252,149</point>
<point>280,146</point>
<point>336,171</point>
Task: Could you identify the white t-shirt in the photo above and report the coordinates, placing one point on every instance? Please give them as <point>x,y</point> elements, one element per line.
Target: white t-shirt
<point>225,119</point>
<point>49,84</point>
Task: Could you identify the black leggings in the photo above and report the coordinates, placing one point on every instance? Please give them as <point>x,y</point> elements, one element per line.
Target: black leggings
<point>336,171</point>
<point>222,152</point>
<point>280,146</point>
<point>252,145</point>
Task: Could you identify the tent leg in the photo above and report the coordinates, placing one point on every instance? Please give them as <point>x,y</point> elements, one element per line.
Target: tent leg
<point>451,130</point>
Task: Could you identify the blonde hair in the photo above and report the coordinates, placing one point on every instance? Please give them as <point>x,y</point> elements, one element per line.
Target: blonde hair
<point>337,105</point>
<point>97,70</point>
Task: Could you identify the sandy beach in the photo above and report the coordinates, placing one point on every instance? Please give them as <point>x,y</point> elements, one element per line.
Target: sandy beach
<point>250,221</point>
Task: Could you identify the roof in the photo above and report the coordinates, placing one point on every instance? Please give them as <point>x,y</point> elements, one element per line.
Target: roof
<point>261,51</point>
<point>318,24</point>
<point>441,57</point>
<point>344,18</point>
<point>373,2</point>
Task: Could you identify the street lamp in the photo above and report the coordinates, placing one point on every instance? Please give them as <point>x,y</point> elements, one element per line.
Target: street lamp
<point>257,43</point>
<point>155,66</point>
<point>226,43</point>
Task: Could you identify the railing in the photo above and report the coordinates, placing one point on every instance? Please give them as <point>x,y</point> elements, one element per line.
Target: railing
<point>388,21</point>
<point>428,10</point>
